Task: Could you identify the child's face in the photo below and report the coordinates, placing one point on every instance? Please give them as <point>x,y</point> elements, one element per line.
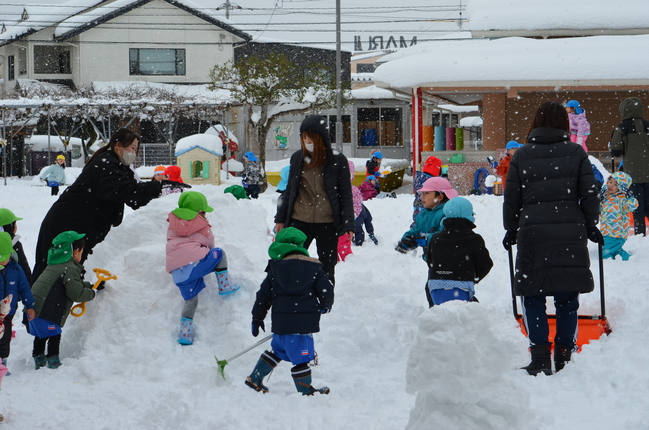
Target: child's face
<point>77,254</point>
<point>202,213</point>
<point>511,151</point>
<point>4,263</point>
<point>611,186</point>
<point>372,182</point>
<point>430,199</point>
<point>160,177</point>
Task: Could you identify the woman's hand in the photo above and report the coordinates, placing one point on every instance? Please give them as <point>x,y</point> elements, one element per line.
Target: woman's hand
<point>278,227</point>
<point>350,234</point>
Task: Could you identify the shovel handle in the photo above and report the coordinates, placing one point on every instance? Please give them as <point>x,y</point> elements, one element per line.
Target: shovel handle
<point>102,275</point>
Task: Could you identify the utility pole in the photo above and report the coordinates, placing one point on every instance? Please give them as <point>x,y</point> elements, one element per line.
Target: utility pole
<point>228,7</point>
<point>339,96</point>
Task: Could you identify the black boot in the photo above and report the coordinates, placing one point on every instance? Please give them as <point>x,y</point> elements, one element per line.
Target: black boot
<point>266,363</point>
<point>541,360</point>
<point>561,356</point>
<point>302,379</point>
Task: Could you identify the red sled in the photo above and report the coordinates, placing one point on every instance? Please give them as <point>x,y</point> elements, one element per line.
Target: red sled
<point>590,327</point>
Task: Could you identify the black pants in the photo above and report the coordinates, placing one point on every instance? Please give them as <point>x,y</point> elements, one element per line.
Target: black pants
<point>363,219</point>
<point>326,240</point>
<point>55,190</point>
<point>253,191</point>
<point>5,341</point>
<point>53,344</point>
<point>640,192</point>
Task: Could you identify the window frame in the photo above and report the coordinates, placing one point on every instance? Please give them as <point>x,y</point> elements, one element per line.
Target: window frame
<point>179,62</point>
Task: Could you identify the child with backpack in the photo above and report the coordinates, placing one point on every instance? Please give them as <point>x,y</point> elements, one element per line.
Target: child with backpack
<point>191,255</point>
<point>616,202</point>
<point>55,291</point>
<point>457,257</point>
<point>434,194</point>
<point>12,281</point>
<point>368,191</point>
<point>299,291</point>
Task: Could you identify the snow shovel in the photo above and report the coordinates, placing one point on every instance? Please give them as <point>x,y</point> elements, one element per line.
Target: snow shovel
<point>590,327</point>
<point>222,363</point>
<point>102,275</point>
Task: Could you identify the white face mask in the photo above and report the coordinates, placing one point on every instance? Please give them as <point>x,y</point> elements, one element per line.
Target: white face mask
<point>309,147</point>
<point>128,158</point>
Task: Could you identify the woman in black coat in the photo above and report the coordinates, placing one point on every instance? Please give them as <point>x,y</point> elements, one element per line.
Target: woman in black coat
<point>550,210</point>
<point>318,197</point>
<point>95,201</point>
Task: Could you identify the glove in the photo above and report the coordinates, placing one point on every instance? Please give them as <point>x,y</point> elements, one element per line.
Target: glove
<point>594,235</point>
<point>402,249</point>
<point>101,286</point>
<point>509,240</point>
<point>256,325</point>
<point>166,183</point>
<point>325,310</point>
<point>409,242</point>
<point>492,162</point>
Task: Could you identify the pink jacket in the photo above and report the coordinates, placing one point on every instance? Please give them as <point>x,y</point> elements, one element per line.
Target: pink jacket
<point>368,190</point>
<point>579,125</point>
<point>188,241</point>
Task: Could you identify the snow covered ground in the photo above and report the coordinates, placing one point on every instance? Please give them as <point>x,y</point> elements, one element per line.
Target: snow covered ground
<point>391,362</point>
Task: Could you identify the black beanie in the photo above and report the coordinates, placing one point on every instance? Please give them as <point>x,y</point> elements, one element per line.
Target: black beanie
<point>317,124</point>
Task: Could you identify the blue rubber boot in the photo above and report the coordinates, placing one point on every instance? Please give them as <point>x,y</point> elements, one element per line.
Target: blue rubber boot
<point>39,361</point>
<point>4,363</point>
<point>302,379</point>
<point>223,279</point>
<point>266,363</point>
<point>53,362</point>
<point>186,333</point>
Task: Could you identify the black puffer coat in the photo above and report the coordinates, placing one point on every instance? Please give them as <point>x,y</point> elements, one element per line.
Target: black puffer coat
<point>337,183</point>
<point>93,204</point>
<point>550,199</point>
<point>458,253</point>
<point>297,288</point>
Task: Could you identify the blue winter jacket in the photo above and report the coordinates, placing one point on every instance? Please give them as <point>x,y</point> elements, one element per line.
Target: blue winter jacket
<point>13,281</point>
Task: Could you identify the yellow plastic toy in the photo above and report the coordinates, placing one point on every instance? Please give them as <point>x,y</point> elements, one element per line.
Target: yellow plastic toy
<point>102,275</point>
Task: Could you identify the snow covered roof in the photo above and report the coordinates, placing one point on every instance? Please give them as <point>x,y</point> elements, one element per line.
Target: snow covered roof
<point>515,62</point>
<point>556,17</point>
<point>207,142</point>
<point>84,21</point>
<point>372,92</point>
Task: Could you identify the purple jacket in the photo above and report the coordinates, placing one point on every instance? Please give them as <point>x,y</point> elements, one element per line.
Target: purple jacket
<point>188,241</point>
<point>368,190</point>
<point>579,125</point>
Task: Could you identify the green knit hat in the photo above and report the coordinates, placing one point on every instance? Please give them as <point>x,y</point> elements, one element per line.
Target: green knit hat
<point>190,203</point>
<point>288,240</point>
<point>61,250</point>
<point>6,247</point>
<point>7,217</point>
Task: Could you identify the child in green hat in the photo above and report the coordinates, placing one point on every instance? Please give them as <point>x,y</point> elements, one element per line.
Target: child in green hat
<point>8,224</point>
<point>59,286</point>
<point>12,281</point>
<point>299,291</point>
<point>191,255</point>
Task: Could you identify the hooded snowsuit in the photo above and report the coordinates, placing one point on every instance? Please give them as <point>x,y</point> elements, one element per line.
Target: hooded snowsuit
<point>614,211</point>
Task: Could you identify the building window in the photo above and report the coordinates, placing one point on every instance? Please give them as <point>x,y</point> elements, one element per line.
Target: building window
<point>197,169</point>
<point>11,71</point>
<point>347,128</point>
<point>157,61</point>
<point>365,67</point>
<point>380,127</point>
<point>51,59</point>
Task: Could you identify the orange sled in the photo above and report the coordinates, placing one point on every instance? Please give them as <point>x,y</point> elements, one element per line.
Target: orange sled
<point>590,327</point>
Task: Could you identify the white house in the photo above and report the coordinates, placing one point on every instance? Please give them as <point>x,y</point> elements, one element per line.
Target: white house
<point>167,41</point>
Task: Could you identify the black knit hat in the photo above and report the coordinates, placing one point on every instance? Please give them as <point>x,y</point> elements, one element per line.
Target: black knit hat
<point>317,124</point>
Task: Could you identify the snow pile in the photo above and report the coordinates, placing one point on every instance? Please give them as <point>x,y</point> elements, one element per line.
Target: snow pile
<point>209,142</point>
<point>456,366</point>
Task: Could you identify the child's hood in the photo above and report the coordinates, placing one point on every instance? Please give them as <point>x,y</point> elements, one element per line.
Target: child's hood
<point>623,180</point>
<point>184,227</point>
<point>295,272</point>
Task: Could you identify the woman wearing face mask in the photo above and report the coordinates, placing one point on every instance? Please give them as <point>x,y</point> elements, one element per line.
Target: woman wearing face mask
<point>318,197</point>
<point>95,201</point>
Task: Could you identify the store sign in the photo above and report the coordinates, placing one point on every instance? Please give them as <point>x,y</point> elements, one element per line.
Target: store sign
<point>379,42</point>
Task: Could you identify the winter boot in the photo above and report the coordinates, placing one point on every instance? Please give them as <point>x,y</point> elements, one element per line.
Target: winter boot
<point>371,235</point>
<point>302,379</point>
<point>186,333</point>
<point>561,356</point>
<point>4,363</point>
<point>53,362</point>
<point>223,279</point>
<point>266,363</point>
<point>541,360</point>
<point>39,361</point>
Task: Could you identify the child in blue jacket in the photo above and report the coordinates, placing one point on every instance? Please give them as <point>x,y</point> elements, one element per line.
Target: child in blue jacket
<point>434,194</point>
<point>299,291</point>
<point>12,281</point>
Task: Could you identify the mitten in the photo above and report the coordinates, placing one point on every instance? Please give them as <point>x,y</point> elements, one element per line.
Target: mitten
<point>325,310</point>
<point>256,325</point>
<point>509,240</point>
<point>101,286</point>
<point>409,242</point>
<point>594,235</point>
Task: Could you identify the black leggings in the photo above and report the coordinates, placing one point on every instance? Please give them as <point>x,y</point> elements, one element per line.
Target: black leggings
<point>5,340</point>
<point>326,240</point>
<point>53,344</point>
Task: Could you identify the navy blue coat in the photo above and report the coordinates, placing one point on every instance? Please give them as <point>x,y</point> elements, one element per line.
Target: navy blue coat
<point>296,288</point>
<point>13,281</point>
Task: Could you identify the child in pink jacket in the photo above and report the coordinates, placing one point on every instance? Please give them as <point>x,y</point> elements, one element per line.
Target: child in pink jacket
<point>579,125</point>
<point>191,255</point>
